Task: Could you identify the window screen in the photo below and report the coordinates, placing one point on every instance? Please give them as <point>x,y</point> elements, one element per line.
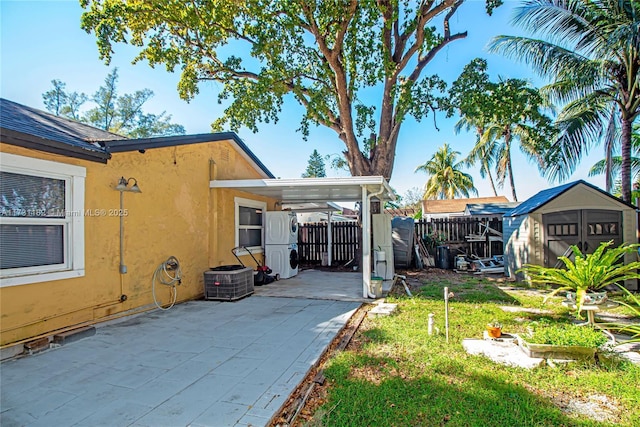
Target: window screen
<point>32,209</point>
<point>250,226</point>
<point>250,216</point>
<point>31,245</point>
<point>31,196</point>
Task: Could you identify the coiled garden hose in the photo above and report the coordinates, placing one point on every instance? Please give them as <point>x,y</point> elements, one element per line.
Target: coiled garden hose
<point>168,273</point>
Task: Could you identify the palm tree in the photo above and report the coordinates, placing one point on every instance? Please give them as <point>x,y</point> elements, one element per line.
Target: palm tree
<point>517,117</point>
<point>470,96</point>
<point>612,164</point>
<point>592,56</point>
<point>446,180</point>
<point>500,113</point>
<point>484,153</point>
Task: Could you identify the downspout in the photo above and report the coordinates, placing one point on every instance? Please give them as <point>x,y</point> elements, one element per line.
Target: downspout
<point>366,241</point>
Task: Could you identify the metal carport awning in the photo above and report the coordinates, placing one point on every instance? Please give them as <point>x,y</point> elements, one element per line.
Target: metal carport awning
<point>313,190</point>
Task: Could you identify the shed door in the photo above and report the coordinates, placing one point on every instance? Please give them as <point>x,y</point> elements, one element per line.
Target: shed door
<point>584,228</point>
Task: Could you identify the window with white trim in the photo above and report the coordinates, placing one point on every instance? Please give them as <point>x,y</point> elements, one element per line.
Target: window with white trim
<point>249,223</point>
<point>41,220</point>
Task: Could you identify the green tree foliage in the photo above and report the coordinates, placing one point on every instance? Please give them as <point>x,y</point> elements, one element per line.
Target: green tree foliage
<point>327,55</point>
<point>591,52</point>
<point>61,103</point>
<point>412,198</point>
<point>121,114</point>
<point>501,113</point>
<point>470,95</point>
<point>446,180</point>
<point>614,163</point>
<point>315,168</point>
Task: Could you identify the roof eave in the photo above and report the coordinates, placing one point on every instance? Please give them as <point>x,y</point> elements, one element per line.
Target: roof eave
<point>125,145</point>
<point>33,142</point>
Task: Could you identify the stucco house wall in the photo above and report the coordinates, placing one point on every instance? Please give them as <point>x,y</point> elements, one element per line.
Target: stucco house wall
<point>177,214</point>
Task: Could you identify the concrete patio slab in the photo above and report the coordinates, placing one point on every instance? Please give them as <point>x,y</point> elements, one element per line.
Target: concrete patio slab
<point>202,363</point>
<point>318,284</point>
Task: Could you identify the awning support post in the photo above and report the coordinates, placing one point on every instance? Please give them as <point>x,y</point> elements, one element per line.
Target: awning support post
<point>366,243</point>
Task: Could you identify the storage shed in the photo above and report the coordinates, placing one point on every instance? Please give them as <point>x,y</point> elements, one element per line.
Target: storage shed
<point>578,213</point>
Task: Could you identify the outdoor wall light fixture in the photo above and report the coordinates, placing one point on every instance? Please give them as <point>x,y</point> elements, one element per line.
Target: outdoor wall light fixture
<point>122,187</point>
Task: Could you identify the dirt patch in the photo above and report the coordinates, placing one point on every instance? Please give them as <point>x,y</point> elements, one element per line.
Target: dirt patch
<point>597,407</point>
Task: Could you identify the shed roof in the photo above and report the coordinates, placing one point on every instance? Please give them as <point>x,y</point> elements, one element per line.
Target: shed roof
<point>457,205</point>
<point>490,208</point>
<point>545,196</point>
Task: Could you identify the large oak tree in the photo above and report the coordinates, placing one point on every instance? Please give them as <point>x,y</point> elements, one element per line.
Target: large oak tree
<point>327,54</point>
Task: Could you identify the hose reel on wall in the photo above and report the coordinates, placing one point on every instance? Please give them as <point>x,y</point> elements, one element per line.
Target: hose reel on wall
<point>168,273</point>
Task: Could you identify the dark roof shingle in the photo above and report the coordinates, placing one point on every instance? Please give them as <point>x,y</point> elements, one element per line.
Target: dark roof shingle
<point>23,122</point>
<point>35,129</point>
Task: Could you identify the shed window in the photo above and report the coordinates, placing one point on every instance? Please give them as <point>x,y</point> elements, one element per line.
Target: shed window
<point>41,221</point>
<point>567,229</point>
<point>603,229</point>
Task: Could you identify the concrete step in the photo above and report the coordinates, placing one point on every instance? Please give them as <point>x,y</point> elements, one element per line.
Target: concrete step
<point>382,309</point>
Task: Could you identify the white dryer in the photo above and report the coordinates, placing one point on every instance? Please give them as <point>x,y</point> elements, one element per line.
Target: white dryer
<point>281,228</point>
<point>282,259</point>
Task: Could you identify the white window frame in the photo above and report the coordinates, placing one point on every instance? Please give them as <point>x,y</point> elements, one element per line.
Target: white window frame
<point>73,221</point>
<point>248,203</point>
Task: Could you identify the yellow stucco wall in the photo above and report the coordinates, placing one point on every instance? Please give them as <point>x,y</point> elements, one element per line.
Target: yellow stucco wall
<point>176,214</point>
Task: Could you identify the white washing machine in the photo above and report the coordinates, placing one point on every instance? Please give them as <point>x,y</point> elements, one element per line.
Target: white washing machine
<point>281,228</point>
<point>282,259</point>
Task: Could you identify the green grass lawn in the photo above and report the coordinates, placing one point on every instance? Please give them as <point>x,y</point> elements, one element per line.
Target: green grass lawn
<point>395,374</point>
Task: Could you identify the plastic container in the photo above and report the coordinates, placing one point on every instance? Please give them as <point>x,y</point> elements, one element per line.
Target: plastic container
<point>379,256</point>
<point>442,257</point>
<point>402,231</point>
<point>376,286</point>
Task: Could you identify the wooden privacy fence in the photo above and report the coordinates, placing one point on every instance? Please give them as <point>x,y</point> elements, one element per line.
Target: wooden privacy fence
<point>477,236</point>
<point>312,242</point>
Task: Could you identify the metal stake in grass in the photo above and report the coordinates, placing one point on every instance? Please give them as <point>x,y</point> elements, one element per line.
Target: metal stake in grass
<point>430,324</point>
<point>446,312</point>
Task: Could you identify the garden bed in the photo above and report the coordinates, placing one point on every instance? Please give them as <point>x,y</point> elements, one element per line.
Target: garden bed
<point>559,352</point>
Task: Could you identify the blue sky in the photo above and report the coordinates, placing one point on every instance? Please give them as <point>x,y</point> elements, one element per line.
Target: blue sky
<point>42,41</point>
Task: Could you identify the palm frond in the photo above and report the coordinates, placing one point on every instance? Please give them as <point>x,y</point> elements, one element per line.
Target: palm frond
<point>547,59</point>
<point>579,127</point>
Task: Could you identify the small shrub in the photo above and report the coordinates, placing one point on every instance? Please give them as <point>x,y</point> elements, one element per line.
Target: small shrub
<point>568,335</point>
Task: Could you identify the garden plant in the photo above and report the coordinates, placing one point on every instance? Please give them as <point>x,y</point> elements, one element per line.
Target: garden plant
<point>587,272</point>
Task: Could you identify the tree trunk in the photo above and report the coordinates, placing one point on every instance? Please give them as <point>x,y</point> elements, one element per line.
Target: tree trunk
<point>493,184</point>
<point>625,170</point>
<point>507,141</point>
<point>381,162</point>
